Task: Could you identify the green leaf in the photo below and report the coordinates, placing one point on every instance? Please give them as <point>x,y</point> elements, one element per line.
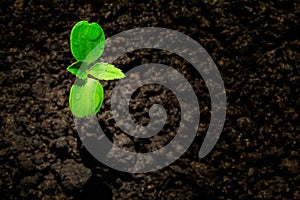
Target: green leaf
<point>87,41</point>
<point>86,98</point>
<point>105,71</point>
<point>79,69</point>
<point>74,67</point>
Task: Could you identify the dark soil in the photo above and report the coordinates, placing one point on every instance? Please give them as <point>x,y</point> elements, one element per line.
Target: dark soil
<point>256,46</point>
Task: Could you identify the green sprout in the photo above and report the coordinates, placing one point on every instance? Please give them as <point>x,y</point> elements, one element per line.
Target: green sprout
<point>87,43</point>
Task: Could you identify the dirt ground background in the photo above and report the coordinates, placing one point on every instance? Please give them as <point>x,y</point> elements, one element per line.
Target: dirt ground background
<point>256,46</point>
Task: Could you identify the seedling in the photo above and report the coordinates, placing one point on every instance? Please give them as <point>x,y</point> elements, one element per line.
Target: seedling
<point>87,43</point>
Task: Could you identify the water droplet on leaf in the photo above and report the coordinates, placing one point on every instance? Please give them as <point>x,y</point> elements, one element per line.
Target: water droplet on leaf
<point>77,96</point>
